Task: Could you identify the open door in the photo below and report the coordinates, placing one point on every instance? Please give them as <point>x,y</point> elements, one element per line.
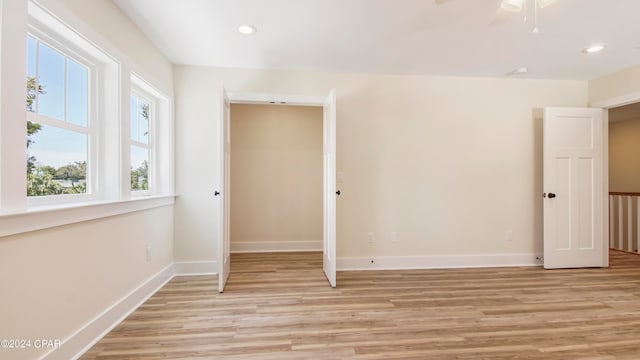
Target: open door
<point>224,160</point>
<point>573,182</point>
<point>330,192</point>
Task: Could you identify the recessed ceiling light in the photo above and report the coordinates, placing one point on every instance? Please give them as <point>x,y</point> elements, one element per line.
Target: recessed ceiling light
<point>246,29</point>
<point>595,48</point>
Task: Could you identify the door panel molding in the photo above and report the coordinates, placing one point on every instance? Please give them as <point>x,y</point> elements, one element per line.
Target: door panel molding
<point>575,234</point>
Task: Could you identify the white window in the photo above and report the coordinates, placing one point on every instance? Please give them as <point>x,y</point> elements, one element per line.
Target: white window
<point>60,121</point>
<point>142,121</point>
<point>150,139</point>
<point>81,141</point>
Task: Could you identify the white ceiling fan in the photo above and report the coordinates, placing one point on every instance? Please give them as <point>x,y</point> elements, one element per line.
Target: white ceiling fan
<point>507,7</point>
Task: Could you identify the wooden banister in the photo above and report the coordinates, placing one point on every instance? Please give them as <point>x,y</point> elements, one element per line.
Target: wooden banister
<point>624,193</point>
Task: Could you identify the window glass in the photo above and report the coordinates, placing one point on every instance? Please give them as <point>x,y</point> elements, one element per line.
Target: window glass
<point>51,74</point>
<point>139,168</point>
<point>140,148</point>
<point>57,162</point>
<point>58,133</point>
<point>31,56</point>
<point>140,118</point>
<point>77,93</point>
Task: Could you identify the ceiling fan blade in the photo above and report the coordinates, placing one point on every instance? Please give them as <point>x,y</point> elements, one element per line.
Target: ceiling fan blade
<point>501,15</point>
<point>544,3</point>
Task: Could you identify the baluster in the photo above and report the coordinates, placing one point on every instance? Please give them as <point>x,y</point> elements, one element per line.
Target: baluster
<point>612,219</point>
<point>620,222</point>
<point>629,217</point>
<point>637,248</point>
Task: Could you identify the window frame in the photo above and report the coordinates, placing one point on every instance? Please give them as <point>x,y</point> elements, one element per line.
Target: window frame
<point>145,96</point>
<point>70,51</point>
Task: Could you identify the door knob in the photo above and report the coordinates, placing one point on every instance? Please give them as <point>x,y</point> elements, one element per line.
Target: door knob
<point>551,195</point>
<point>338,192</point>
<point>216,193</point>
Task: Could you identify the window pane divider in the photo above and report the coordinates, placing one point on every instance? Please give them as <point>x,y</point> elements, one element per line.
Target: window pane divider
<point>46,120</point>
<point>140,144</point>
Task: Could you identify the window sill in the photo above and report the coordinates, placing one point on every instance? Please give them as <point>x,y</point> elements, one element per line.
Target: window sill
<point>40,218</point>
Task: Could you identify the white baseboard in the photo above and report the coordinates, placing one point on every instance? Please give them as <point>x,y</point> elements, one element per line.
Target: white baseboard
<point>83,339</point>
<point>436,261</point>
<point>275,246</point>
<point>187,268</point>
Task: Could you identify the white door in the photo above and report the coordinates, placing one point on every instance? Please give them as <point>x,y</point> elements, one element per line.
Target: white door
<point>573,185</point>
<point>224,259</point>
<point>330,191</point>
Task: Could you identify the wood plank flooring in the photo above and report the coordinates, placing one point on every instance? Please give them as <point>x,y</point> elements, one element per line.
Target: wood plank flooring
<point>279,306</point>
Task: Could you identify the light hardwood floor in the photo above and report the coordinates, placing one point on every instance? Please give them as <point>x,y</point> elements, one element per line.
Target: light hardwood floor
<point>279,306</point>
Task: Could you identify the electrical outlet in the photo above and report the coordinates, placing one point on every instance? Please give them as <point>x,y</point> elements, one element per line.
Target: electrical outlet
<point>149,252</point>
<point>509,236</point>
<point>370,237</point>
<point>394,237</point>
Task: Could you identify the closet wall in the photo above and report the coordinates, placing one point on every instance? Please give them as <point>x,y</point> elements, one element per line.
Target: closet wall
<point>276,177</point>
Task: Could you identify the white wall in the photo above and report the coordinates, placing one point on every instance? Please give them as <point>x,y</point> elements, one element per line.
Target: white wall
<point>620,83</point>
<point>56,281</point>
<point>449,164</point>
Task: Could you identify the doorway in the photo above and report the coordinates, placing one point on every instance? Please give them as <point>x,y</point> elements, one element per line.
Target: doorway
<point>624,177</point>
<point>329,190</point>
<point>276,172</point>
